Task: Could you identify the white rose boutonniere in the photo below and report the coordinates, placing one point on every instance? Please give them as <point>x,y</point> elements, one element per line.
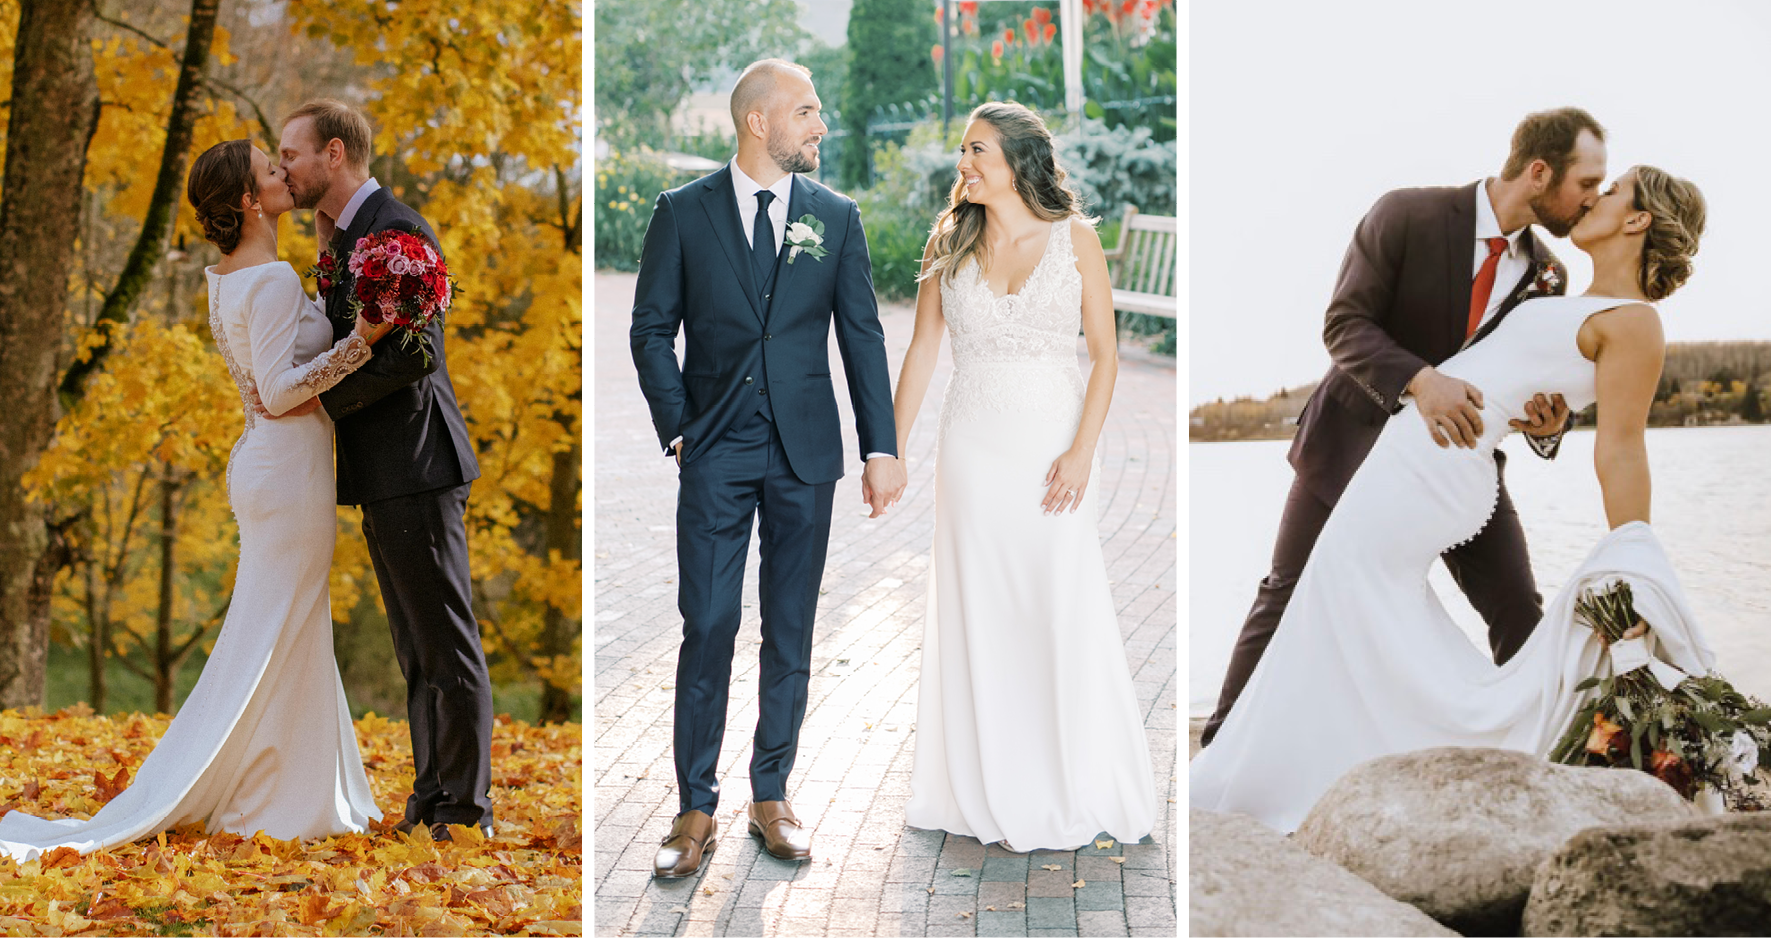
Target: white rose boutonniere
<point>806,235</point>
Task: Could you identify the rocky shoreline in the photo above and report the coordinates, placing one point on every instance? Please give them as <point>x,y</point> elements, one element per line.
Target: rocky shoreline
<point>1483,842</point>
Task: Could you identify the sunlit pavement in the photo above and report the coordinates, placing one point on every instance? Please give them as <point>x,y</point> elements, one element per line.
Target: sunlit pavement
<point>870,874</point>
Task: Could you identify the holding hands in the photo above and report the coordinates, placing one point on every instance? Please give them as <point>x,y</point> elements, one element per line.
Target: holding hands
<point>1548,416</point>
<point>882,483</point>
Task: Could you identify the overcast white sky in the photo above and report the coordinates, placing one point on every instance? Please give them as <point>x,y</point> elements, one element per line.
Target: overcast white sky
<point>1303,113</point>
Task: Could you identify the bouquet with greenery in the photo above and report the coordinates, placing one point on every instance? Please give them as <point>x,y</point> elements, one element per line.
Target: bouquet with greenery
<point>1696,733</point>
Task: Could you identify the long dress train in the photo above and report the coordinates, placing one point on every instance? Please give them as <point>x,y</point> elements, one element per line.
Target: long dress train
<point>1027,727</point>
<point>1367,662</point>
<point>264,741</point>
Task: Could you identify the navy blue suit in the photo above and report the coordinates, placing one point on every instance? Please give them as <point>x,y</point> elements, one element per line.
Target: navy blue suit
<point>756,409</point>
<point>404,455</point>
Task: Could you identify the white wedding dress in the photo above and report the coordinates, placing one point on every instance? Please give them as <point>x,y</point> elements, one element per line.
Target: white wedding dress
<point>264,741</point>
<point>1027,728</point>
<point>1366,661</point>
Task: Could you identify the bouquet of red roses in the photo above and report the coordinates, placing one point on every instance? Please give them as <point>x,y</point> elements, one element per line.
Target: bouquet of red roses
<point>399,278</point>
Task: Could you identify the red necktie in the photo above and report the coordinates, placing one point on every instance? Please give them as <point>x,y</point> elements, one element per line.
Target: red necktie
<point>1484,285</point>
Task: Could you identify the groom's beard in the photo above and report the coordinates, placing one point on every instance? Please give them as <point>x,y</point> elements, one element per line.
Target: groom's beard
<point>309,197</point>
<point>791,158</point>
<point>1558,225</point>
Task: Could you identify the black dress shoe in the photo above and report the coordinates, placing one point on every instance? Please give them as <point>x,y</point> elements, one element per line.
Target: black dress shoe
<point>407,827</point>
<point>439,830</point>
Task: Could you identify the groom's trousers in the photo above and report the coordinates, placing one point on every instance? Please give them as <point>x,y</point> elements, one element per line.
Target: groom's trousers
<point>743,477</point>
<point>1493,569</point>
<point>418,544</point>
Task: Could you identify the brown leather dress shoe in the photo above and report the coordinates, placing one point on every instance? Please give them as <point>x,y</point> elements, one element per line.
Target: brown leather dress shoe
<point>779,829</point>
<point>690,842</point>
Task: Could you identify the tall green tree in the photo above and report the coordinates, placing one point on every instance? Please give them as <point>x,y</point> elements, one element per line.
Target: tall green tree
<point>649,55</point>
<point>895,38</point>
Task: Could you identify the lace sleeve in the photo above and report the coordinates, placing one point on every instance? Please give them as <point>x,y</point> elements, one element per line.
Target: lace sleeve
<point>329,367</point>
<point>275,308</point>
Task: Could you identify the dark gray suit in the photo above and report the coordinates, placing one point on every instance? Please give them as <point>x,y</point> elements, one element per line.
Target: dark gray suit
<point>404,455</point>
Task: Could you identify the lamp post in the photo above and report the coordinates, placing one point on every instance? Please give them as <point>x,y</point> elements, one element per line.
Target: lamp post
<point>946,66</point>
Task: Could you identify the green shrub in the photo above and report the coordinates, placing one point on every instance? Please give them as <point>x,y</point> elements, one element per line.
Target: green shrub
<point>627,188</point>
<point>1113,167</point>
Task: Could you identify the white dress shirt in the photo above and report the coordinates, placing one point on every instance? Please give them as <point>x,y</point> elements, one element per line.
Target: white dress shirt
<point>1514,261</point>
<point>362,195</point>
<point>746,189</point>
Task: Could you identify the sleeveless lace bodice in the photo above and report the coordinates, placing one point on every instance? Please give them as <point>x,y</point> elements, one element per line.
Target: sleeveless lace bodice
<point>1016,352</point>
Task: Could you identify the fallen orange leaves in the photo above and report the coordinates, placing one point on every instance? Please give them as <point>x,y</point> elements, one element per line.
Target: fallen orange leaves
<point>523,880</point>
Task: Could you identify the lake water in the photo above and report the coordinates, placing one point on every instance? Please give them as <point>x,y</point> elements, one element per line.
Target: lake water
<point>1712,512</point>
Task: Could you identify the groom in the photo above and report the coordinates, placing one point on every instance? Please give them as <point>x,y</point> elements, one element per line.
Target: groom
<point>754,263</point>
<point>1429,272</point>
<point>405,457</point>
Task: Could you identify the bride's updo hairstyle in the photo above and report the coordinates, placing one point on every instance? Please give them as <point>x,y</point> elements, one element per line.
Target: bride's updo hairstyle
<point>958,233</point>
<point>218,178</point>
<point>1678,213</point>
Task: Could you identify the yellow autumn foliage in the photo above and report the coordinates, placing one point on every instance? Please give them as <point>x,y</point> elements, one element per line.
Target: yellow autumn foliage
<point>476,108</point>
<point>525,879</point>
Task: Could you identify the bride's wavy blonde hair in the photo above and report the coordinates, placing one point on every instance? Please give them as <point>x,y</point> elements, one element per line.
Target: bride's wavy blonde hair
<point>1679,214</point>
<point>958,232</point>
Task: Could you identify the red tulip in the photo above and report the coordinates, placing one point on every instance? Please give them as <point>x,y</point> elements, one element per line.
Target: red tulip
<point>937,52</point>
<point>1051,29</point>
<point>968,7</point>
<point>1042,15</point>
<point>996,49</point>
<point>1008,37</point>
<point>1032,30</point>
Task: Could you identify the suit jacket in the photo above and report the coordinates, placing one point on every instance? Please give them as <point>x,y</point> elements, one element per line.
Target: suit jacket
<point>399,430</point>
<point>741,345</point>
<point>1401,303</point>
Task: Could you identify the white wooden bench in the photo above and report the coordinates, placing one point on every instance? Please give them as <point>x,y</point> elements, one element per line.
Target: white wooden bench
<point>1143,265</point>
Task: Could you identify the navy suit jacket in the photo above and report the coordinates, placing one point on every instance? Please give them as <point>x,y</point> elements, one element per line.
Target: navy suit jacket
<point>696,276</point>
<point>398,428</point>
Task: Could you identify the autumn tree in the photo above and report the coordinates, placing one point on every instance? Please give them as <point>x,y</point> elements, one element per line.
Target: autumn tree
<point>52,112</point>
<point>477,112</point>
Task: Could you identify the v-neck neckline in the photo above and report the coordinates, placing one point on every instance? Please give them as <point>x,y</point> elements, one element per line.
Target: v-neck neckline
<point>984,279</point>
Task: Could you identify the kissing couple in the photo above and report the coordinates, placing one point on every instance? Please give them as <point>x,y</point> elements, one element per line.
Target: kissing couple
<point>1449,327</point>
<point>265,742</point>
<point>1028,731</point>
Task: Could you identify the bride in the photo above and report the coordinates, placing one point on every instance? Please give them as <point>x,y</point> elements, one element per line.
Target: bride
<point>1027,728</point>
<point>264,742</point>
<point>1365,661</point>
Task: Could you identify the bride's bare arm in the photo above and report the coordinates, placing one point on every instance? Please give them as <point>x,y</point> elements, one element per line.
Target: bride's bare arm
<point>1628,347</point>
<point>919,360</point>
<point>1069,472</point>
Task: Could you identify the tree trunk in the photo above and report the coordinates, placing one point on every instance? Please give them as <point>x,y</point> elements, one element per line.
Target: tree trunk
<point>563,544</point>
<point>151,245</point>
<point>98,646</point>
<point>166,658</point>
<point>54,111</point>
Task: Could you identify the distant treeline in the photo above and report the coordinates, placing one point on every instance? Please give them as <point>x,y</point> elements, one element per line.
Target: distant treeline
<point>1702,384</point>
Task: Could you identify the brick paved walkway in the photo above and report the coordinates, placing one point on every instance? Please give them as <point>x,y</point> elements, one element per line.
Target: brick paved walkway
<point>871,875</point>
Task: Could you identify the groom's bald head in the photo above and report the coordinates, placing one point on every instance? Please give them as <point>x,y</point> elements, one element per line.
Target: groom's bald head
<point>757,85</point>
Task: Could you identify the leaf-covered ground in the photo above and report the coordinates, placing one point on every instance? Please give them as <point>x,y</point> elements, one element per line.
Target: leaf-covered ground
<point>524,880</point>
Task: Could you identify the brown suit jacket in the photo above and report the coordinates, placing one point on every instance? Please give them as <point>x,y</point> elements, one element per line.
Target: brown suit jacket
<point>1401,303</point>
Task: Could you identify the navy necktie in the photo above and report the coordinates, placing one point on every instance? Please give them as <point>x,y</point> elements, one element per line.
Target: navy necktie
<point>762,238</point>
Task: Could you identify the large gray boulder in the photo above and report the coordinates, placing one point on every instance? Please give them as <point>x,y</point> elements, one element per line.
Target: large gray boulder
<point>1245,879</point>
<point>1710,876</point>
<point>1459,833</point>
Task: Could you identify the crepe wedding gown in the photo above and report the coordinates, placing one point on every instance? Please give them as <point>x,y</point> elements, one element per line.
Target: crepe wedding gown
<point>264,741</point>
<point>1027,729</point>
<point>1366,662</point>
